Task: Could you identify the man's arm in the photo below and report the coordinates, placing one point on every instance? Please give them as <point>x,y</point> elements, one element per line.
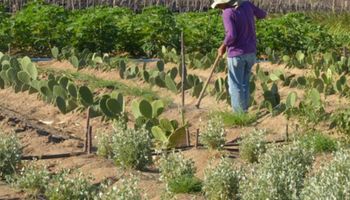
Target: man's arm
<point>230,32</point>
<point>259,13</point>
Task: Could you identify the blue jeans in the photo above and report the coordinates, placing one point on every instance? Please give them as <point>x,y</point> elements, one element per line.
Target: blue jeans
<point>239,69</point>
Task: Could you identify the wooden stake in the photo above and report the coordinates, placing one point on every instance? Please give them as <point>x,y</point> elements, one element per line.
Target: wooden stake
<point>197,138</point>
<point>87,130</point>
<point>188,139</point>
<point>183,77</point>
<point>90,140</point>
<point>287,133</point>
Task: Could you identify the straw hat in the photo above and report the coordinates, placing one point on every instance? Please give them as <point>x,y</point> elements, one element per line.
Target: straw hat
<point>216,2</point>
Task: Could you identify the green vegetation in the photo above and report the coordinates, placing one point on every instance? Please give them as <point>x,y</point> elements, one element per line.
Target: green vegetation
<point>236,118</point>
<point>253,146</point>
<point>213,136</point>
<point>10,154</point>
<point>221,181</point>
<point>332,180</point>
<point>178,174</point>
<point>318,142</point>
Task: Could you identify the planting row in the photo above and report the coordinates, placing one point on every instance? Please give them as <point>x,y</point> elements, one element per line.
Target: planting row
<point>22,75</point>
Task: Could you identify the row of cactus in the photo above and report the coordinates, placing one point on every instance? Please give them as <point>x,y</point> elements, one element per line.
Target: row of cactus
<point>67,96</point>
<point>22,75</point>
<point>80,59</point>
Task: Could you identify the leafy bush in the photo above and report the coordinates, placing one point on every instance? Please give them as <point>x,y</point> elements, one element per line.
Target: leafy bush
<point>318,142</point>
<point>127,190</point>
<point>340,120</point>
<point>204,32</point>
<point>213,136</point>
<point>66,186</point>
<point>10,154</point>
<point>33,180</point>
<point>252,146</point>
<point>185,184</point>
<point>221,182</point>
<point>297,31</point>
<point>5,29</point>
<point>156,27</point>
<point>131,148</point>
<point>97,29</point>
<point>40,26</point>
<point>332,181</point>
<point>173,167</point>
<point>237,118</point>
<point>279,174</point>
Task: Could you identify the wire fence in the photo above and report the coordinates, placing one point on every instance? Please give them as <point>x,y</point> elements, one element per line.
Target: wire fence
<point>275,6</point>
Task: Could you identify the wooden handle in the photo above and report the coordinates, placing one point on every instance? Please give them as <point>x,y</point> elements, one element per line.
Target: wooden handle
<point>206,83</point>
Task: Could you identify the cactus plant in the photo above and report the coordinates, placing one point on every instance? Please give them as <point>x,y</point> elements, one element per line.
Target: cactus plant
<point>170,84</point>
<point>168,135</point>
<point>59,91</point>
<point>24,77</point>
<point>72,90</point>
<point>85,96</point>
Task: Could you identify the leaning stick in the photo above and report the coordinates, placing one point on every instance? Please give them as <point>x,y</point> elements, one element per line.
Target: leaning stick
<point>206,83</point>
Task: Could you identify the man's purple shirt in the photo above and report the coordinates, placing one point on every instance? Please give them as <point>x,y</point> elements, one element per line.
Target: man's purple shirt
<point>239,23</point>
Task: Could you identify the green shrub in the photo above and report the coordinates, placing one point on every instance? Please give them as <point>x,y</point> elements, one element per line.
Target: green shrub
<point>67,186</point>
<point>33,180</point>
<point>340,120</point>
<point>127,190</point>
<point>174,165</point>
<point>296,30</point>
<point>252,146</point>
<point>213,137</point>
<point>40,26</point>
<point>131,148</point>
<point>318,142</point>
<point>332,181</point>
<point>97,29</point>
<point>237,118</point>
<point>5,29</point>
<point>279,174</point>
<point>185,184</point>
<point>221,182</point>
<point>156,27</point>
<point>10,154</point>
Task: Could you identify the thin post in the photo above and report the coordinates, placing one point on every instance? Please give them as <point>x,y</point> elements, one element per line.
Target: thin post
<point>188,139</point>
<point>183,77</point>
<point>90,140</point>
<point>287,133</point>
<point>87,130</point>
<point>197,138</point>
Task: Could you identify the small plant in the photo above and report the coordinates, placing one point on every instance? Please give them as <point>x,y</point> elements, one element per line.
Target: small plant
<point>33,180</point>
<point>318,142</point>
<point>221,182</point>
<point>67,186</point>
<point>185,184</point>
<point>332,181</point>
<point>237,118</point>
<point>131,148</point>
<point>176,172</point>
<point>213,137</point>
<point>127,190</point>
<point>252,146</point>
<point>10,154</point>
<point>279,174</point>
<point>340,120</point>
<point>105,140</point>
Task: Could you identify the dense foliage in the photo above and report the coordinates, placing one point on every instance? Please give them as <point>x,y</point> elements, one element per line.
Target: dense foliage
<point>40,26</point>
<point>10,154</point>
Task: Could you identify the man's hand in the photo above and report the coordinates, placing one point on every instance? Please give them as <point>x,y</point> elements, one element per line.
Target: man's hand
<point>222,50</point>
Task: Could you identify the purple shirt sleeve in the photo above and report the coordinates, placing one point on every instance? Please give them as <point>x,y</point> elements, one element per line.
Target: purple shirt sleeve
<point>259,13</point>
<point>230,31</point>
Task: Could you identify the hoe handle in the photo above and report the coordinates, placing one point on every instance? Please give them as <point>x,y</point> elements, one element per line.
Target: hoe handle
<point>206,83</point>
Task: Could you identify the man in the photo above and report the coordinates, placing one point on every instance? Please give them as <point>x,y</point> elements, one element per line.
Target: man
<point>240,45</point>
